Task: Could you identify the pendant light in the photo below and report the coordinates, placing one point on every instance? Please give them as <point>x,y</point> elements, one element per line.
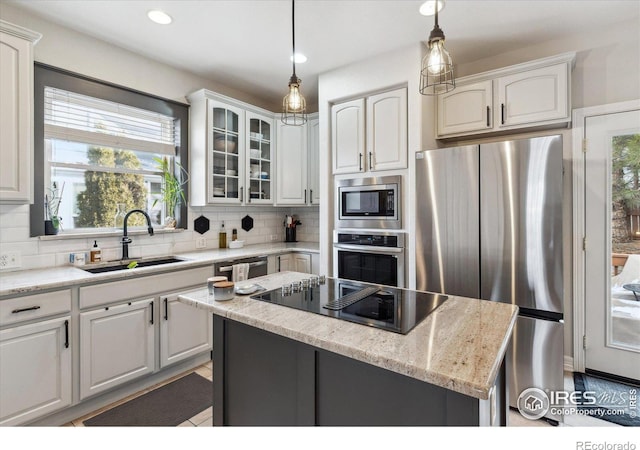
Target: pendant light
<point>436,74</point>
<point>294,106</point>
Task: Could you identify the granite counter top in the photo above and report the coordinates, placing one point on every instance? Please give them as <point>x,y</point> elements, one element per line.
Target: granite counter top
<point>460,346</point>
<point>23,281</point>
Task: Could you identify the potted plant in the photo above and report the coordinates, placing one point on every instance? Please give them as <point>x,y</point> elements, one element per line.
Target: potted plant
<point>172,188</point>
<point>52,221</point>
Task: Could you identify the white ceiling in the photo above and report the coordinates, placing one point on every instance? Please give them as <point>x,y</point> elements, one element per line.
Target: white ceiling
<point>246,44</point>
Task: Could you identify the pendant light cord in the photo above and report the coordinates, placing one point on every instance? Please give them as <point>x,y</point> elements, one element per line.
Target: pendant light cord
<point>293,33</point>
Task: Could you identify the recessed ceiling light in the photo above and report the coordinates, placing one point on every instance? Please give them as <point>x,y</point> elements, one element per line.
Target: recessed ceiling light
<point>160,17</point>
<point>428,8</point>
<point>300,58</point>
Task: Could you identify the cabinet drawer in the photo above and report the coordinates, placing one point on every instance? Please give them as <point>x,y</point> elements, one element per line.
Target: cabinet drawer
<point>36,306</point>
<point>102,294</point>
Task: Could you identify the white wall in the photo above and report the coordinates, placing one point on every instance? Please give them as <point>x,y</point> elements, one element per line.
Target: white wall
<point>67,49</point>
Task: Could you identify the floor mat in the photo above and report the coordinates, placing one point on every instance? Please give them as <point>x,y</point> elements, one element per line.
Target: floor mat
<point>166,406</point>
<point>614,402</point>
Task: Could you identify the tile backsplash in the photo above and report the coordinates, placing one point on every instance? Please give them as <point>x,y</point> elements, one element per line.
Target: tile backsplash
<point>54,251</point>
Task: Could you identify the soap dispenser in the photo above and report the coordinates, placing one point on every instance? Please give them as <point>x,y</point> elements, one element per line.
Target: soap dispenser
<point>96,253</point>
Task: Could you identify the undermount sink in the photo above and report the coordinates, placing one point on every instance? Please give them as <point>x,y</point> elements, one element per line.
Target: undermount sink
<point>140,263</point>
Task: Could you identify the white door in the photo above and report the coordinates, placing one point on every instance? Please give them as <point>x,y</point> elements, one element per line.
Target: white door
<point>347,136</point>
<point>313,161</point>
<point>387,130</point>
<point>116,345</point>
<point>533,96</point>
<point>35,370</point>
<point>465,109</point>
<point>612,255</point>
<point>185,331</point>
<point>292,165</point>
<point>285,262</point>
<point>302,262</point>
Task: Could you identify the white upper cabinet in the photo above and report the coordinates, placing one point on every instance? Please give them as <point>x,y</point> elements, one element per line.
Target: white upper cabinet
<point>232,151</point>
<point>534,96</point>
<point>387,130</point>
<point>298,161</point>
<point>260,157</point>
<point>292,164</point>
<point>347,136</point>
<point>467,108</point>
<point>529,95</point>
<point>370,134</point>
<point>313,160</point>
<point>16,113</point>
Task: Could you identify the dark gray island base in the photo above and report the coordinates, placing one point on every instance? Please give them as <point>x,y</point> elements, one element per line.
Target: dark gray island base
<point>264,379</point>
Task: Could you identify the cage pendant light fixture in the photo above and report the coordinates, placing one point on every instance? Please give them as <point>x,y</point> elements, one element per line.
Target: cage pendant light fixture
<point>436,73</point>
<point>294,106</point>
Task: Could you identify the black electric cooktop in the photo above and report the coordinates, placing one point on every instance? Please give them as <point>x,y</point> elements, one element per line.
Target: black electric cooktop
<point>378,306</point>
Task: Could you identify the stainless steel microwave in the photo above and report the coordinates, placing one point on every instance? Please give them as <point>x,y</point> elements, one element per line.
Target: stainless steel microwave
<point>369,202</point>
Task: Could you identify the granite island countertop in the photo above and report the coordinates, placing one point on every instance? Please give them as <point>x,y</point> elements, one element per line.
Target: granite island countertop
<point>35,280</point>
<point>460,346</point>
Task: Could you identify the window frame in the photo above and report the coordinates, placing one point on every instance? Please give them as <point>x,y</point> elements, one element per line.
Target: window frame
<point>46,75</point>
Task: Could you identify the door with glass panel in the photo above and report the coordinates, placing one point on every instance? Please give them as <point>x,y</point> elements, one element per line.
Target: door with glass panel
<point>260,157</point>
<point>612,254</point>
<point>226,153</point>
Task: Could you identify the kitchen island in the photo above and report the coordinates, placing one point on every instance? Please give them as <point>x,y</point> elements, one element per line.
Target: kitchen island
<point>275,365</point>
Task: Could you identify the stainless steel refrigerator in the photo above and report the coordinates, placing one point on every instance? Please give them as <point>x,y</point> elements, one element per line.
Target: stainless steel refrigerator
<point>489,226</point>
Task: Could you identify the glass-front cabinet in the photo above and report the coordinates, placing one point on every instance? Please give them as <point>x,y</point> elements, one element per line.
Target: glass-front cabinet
<point>232,159</point>
<point>226,153</point>
<point>260,152</point>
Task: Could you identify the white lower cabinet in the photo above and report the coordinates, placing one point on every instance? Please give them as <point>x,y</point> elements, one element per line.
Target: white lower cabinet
<point>295,262</point>
<point>116,345</point>
<point>35,370</point>
<point>185,331</point>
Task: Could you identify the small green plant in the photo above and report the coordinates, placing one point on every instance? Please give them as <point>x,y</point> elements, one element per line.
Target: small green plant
<point>172,184</point>
<point>52,202</point>
<point>132,265</point>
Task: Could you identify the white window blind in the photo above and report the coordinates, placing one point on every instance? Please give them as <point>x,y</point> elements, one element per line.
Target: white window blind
<point>80,118</point>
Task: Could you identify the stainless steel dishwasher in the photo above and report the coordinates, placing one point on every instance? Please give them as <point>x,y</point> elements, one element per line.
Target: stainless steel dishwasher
<point>257,266</point>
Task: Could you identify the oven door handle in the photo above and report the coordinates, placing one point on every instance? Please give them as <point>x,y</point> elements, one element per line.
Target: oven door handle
<point>368,249</point>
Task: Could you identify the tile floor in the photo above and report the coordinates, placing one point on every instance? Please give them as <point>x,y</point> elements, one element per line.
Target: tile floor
<point>205,419</point>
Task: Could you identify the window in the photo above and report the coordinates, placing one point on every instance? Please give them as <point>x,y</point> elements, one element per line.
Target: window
<point>101,146</point>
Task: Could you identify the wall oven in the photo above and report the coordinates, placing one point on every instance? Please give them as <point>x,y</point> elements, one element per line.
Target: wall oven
<point>372,257</point>
<point>369,203</point>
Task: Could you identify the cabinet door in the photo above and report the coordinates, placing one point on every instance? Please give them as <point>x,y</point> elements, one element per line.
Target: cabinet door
<point>16,119</point>
<point>465,109</point>
<point>534,96</point>
<point>35,370</point>
<point>285,262</point>
<point>347,136</point>
<point>313,163</point>
<point>302,262</point>
<point>292,165</point>
<point>185,331</point>
<point>226,163</point>
<point>260,157</point>
<point>387,130</point>
<point>116,345</point>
